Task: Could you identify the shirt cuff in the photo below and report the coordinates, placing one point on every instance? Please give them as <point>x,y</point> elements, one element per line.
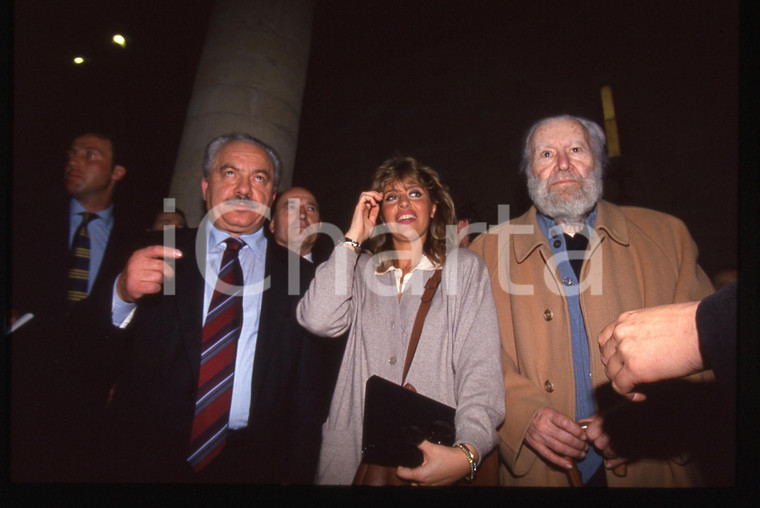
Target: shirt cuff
<point>121,311</point>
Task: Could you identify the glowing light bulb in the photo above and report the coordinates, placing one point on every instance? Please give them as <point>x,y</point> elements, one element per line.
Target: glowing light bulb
<point>78,60</point>
<point>120,40</point>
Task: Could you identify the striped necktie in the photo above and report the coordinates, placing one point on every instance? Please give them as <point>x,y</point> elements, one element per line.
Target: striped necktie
<point>218,348</point>
<point>79,261</point>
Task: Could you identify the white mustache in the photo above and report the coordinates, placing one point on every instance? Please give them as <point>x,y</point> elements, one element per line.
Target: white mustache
<point>254,205</point>
<point>572,176</point>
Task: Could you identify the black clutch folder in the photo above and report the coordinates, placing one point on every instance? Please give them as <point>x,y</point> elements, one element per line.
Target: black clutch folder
<point>397,419</point>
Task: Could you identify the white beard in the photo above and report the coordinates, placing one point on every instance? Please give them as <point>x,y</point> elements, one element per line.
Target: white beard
<point>569,204</point>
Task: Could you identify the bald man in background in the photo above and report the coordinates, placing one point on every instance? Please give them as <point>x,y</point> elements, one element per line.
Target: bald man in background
<point>295,210</point>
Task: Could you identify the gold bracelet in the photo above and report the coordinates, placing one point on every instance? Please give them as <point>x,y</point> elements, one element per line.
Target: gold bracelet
<point>471,460</point>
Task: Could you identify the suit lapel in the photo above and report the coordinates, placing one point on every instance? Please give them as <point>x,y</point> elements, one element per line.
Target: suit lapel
<point>60,264</point>
<point>120,243</point>
<point>274,310</point>
<point>189,298</point>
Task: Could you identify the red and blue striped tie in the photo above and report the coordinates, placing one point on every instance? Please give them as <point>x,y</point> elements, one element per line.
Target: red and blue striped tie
<point>218,348</point>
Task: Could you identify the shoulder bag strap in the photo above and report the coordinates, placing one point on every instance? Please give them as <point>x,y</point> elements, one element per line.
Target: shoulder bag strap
<point>430,287</point>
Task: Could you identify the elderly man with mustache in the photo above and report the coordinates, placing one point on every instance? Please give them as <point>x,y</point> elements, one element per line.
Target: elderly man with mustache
<point>219,372</point>
<point>560,273</point>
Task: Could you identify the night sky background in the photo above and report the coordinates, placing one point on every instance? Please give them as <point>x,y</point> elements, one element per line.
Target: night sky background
<point>454,84</point>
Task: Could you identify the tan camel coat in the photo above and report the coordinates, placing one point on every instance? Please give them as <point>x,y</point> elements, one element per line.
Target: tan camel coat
<point>639,258</point>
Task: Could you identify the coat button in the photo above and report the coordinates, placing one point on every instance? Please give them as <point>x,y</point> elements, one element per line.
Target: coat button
<point>557,244</point>
<point>392,360</point>
<point>548,315</point>
<point>549,386</point>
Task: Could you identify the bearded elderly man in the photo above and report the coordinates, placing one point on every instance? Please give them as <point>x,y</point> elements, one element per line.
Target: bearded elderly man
<point>560,273</point>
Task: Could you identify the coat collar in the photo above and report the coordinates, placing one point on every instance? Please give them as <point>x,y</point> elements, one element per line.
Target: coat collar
<point>610,222</point>
<point>610,219</point>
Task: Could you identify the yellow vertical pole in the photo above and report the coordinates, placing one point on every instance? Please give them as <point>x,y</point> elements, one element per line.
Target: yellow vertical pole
<point>610,123</point>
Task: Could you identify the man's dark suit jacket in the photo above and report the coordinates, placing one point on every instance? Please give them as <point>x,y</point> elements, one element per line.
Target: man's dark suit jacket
<point>39,275</point>
<point>154,403</point>
<point>61,368</point>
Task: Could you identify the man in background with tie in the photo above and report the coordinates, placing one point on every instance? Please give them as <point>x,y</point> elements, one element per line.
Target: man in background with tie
<point>61,367</point>
<point>218,371</point>
<point>90,179</point>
